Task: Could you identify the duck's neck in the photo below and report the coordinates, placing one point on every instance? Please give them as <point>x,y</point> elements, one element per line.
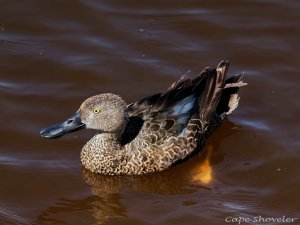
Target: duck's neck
<point>103,154</point>
<point>106,141</point>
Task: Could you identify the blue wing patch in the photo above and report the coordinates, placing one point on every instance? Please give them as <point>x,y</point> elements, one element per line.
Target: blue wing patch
<point>184,106</point>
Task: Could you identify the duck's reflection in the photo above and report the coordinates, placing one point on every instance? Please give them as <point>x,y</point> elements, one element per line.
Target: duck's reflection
<point>90,210</point>
<point>106,202</point>
<point>202,173</point>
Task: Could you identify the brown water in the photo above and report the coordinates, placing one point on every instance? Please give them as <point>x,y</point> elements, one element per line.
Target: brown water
<point>54,54</point>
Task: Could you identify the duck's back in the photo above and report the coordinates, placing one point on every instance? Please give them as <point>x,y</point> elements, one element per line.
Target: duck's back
<point>175,124</point>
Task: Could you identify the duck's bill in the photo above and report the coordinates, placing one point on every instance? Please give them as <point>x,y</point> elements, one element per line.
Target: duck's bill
<point>57,130</point>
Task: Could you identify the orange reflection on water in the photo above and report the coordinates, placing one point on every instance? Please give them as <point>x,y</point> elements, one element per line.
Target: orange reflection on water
<point>203,173</point>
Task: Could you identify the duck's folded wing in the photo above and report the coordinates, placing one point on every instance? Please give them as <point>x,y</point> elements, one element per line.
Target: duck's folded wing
<point>167,114</point>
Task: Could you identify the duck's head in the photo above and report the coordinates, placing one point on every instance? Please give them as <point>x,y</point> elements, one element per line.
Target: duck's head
<point>104,112</point>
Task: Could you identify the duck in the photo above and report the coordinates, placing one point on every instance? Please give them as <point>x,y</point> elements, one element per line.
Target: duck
<point>156,132</point>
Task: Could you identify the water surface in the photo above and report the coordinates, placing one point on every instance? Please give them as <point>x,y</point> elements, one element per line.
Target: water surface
<point>54,54</point>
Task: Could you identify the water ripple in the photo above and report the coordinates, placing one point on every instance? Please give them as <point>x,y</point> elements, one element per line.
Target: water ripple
<point>256,124</point>
<point>12,217</point>
<point>56,164</point>
<point>36,88</point>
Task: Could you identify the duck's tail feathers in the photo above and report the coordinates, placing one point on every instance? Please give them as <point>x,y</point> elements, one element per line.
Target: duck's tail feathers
<point>212,90</point>
<point>230,99</point>
<point>218,95</point>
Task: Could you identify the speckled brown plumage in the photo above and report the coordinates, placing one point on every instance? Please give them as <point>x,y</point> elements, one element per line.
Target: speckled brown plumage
<point>158,131</point>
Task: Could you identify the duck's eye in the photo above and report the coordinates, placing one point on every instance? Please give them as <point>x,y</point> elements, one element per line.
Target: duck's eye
<point>96,111</point>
